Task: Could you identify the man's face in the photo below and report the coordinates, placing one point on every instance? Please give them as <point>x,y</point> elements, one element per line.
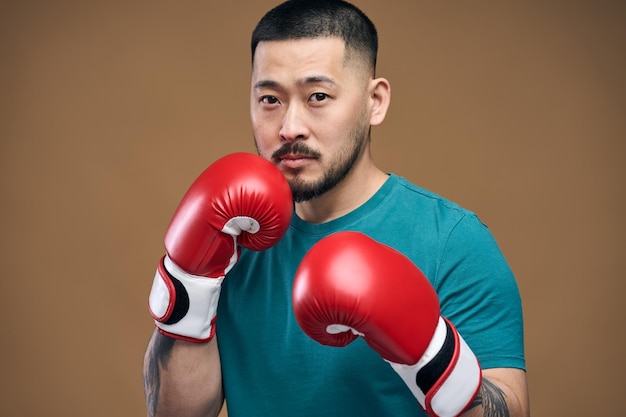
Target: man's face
<point>309,111</point>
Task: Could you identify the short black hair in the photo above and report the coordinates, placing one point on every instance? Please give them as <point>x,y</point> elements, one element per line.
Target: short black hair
<point>298,19</point>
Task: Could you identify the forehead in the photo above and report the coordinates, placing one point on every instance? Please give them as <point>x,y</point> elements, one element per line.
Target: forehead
<point>297,57</point>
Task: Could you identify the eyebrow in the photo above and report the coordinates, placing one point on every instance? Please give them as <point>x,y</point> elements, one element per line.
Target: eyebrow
<point>313,79</point>
<point>317,79</point>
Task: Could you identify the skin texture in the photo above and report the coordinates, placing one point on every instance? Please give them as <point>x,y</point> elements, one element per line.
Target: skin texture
<point>311,113</point>
<point>182,379</point>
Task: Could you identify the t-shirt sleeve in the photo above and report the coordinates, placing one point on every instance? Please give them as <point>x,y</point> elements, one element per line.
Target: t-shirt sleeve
<point>479,295</point>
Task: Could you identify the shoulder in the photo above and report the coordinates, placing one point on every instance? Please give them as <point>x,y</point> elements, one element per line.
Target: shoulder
<point>426,209</point>
<point>424,197</point>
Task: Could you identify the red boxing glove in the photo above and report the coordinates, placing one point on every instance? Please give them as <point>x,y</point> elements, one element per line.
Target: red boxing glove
<point>240,200</point>
<point>349,285</point>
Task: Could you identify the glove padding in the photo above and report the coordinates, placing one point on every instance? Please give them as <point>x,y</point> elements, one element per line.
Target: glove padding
<point>240,200</point>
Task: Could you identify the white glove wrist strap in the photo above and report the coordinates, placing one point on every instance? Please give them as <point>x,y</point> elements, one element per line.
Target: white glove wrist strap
<point>447,377</point>
<point>184,306</point>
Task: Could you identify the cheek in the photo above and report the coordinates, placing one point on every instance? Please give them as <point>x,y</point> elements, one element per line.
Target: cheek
<point>266,126</point>
<point>342,127</point>
<point>265,137</point>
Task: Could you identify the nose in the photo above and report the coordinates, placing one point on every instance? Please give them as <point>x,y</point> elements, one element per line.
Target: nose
<point>294,124</point>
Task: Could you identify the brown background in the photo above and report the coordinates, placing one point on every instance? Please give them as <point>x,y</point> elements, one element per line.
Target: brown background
<point>110,109</point>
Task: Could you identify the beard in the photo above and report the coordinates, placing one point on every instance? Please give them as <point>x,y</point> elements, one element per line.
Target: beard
<point>339,168</point>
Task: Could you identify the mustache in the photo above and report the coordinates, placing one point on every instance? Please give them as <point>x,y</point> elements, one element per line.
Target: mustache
<point>298,148</point>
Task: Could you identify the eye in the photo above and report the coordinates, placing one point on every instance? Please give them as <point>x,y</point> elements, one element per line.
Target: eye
<point>319,97</point>
<point>269,100</point>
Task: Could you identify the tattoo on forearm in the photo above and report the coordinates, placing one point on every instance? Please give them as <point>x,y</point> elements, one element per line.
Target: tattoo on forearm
<point>158,355</point>
<point>492,399</point>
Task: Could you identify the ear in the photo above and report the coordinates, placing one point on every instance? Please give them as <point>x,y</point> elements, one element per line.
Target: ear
<point>380,98</point>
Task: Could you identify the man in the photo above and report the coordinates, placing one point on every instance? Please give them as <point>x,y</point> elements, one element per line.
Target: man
<point>314,97</point>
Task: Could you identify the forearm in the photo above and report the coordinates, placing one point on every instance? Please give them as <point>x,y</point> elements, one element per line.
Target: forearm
<point>501,397</point>
<point>182,379</point>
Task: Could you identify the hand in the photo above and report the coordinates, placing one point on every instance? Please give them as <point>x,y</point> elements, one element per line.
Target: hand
<point>240,200</point>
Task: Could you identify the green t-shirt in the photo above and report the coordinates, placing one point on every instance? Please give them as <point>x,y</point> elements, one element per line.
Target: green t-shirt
<point>271,368</point>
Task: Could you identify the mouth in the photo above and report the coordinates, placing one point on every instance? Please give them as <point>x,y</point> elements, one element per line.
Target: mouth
<point>294,156</point>
<point>293,160</point>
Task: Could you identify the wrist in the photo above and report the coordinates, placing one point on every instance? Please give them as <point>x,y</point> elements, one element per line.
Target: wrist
<point>447,377</point>
<point>184,306</point>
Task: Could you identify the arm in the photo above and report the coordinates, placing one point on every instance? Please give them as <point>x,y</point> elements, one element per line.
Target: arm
<point>503,393</point>
<point>479,295</point>
<point>181,378</point>
<point>242,200</point>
